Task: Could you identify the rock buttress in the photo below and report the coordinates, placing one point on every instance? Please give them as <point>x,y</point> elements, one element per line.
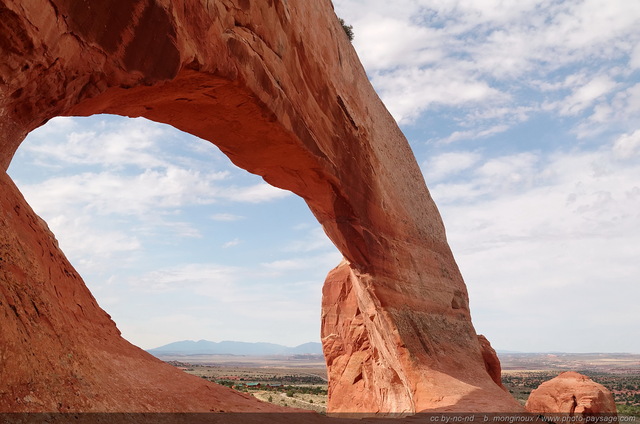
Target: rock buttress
<point>277,86</point>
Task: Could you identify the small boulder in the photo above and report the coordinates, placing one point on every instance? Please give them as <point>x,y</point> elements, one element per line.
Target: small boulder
<point>571,393</point>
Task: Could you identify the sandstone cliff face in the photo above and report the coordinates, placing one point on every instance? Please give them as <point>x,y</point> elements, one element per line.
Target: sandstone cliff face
<point>571,393</point>
<point>384,356</point>
<point>491,361</point>
<point>277,86</point>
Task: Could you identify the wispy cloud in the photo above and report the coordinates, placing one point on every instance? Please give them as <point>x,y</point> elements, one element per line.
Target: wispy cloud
<point>232,243</point>
<point>315,239</point>
<point>474,134</point>
<point>409,91</point>
<point>475,56</point>
<point>228,217</point>
<point>542,234</point>
<point>136,170</point>
<point>322,261</point>
<point>448,164</point>
<point>627,146</point>
<point>257,193</point>
<point>91,246</point>
<point>137,194</point>
<point>585,95</point>
<point>132,142</point>
<point>219,302</point>
<point>203,279</point>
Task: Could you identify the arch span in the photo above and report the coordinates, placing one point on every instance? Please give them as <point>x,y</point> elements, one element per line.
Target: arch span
<point>277,87</point>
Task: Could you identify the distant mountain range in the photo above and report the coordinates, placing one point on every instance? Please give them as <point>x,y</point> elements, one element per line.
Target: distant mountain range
<point>205,347</point>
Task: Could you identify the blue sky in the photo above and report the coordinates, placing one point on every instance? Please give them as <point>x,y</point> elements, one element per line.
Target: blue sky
<point>524,116</point>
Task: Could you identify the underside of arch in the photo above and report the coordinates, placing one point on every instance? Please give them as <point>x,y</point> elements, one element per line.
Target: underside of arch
<point>277,87</point>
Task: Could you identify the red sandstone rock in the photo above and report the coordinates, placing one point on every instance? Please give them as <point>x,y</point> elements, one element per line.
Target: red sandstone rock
<point>370,340</point>
<point>491,361</point>
<point>277,86</point>
<point>571,393</point>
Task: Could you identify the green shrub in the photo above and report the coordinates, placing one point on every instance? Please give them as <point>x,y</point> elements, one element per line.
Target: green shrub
<point>348,29</point>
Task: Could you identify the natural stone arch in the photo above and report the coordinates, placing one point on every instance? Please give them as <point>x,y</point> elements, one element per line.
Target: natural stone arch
<point>276,86</point>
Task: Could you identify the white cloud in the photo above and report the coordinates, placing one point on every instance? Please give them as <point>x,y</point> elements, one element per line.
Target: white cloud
<point>115,193</point>
<point>217,302</point>
<point>407,92</point>
<point>314,240</point>
<point>91,247</point>
<point>634,59</point>
<point>480,55</point>
<point>627,145</point>
<point>232,243</point>
<point>257,193</point>
<point>549,235</point>
<point>285,264</point>
<point>383,48</point>
<point>474,134</point>
<point>509,170</point>
<point>497,175</point>
<point>180,229</point>
<point>595,23</point>
<point>586,95</point>
<point>227,217</point>
<point>128,142</point>
<point>118,190</point>
<point>448,164</point>
<point>504,114</point>
<point>626,104</point>
<point>54,126</point>
<point>622,111</point>
<point>203,279</point>
<point>324,261</point>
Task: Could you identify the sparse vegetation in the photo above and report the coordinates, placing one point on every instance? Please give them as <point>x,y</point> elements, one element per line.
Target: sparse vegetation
<point>307,388</point>
<point>348,29</point>
<point>296,388</point>
<point>633,410</point>
<point>224,382</point>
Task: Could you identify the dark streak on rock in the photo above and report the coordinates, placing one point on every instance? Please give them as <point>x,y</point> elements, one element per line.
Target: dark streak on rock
<point>98,21</point>
<point>153,49</point>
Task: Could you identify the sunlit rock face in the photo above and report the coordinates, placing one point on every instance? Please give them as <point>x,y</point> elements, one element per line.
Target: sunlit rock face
<point>277,86</point>
<point>571,393</point>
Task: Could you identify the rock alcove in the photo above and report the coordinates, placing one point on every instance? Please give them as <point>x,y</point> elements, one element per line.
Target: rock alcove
<point>278,88</point>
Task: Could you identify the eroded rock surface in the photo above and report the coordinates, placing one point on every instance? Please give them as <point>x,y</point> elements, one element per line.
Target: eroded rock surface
<point>571,393</point>
<point>277,86</point>
<point>491,361</point>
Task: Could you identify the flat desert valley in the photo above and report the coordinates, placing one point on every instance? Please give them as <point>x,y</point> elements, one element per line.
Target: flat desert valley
<point>300,381</point>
